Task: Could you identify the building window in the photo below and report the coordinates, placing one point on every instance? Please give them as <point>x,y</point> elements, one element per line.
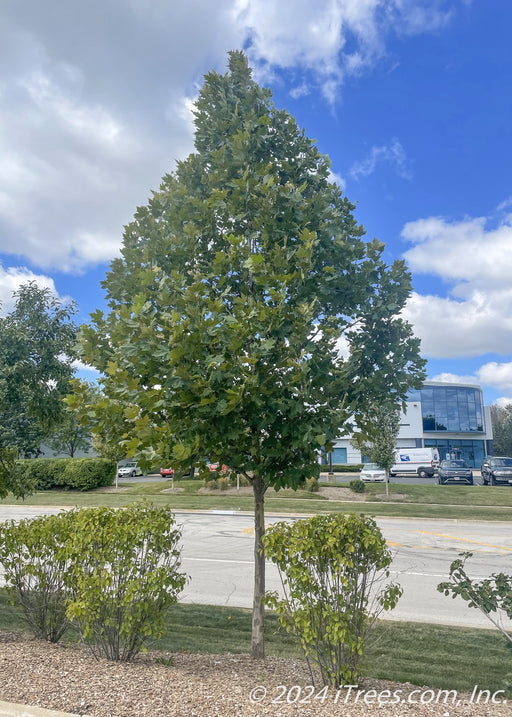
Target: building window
<point>452,409</point>
<point>471,451</point>
<point>339,456</point>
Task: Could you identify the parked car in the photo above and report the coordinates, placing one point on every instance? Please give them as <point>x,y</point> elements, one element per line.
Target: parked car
<point>454,471</point>
<point>497,470</point>
<point>371,472</point>
<point>130,469</point>
<point>168,472</point>
<point>217,467</point>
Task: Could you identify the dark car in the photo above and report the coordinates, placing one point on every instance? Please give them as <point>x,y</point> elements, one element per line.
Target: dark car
<point>497,470</point>
<point>454,471</point>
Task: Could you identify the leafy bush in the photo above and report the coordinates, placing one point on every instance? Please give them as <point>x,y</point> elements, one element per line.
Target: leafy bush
<point>492,596</point>
<point>329,566</point>
<point>89,473</point>
<point>34,557</point>
<point>123,570</point>
<point>76,473</point>
<point>113,572</point>
<point>357,486</point>
<point>342,467</point>
<point>312,485</point>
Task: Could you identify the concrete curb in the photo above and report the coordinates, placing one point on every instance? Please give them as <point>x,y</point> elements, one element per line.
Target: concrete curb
<point>8,709</point>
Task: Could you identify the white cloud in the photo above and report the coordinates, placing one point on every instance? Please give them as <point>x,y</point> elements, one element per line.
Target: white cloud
<point>490,375</point>
<point>331,38</point>
<point>503,401</point>
<point>10,281</point>
<point>454,378</point>
<point>392,154</point>
<point>337,179</point>
<point>464,252</point>
<point>95,103</point>
<point>496,375</point>
<point>476,264</point>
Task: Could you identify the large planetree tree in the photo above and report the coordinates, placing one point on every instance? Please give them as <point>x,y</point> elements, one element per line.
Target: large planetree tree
<point>36,349</point>
<point>236,286</point>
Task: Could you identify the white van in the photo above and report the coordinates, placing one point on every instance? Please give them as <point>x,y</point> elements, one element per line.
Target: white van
<point>422,461</point>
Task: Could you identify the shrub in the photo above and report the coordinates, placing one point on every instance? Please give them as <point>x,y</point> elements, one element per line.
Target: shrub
<point>312,485</point>
<point>123,570</point>
<point>34,557</point>
<point>88,473</point>
<point>342,467</point>
<point>492,596</point>
<point>328,566</point>
<point>357,486</point>
<point>76,473</point>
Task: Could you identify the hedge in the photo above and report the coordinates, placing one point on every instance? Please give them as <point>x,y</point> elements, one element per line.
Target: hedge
<point>341,467</point>
<point>68,473</point>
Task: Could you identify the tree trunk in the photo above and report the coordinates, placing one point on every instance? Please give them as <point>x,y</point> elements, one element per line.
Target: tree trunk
<point>257,642</point>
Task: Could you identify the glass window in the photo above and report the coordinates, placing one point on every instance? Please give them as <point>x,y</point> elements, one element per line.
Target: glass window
<point>447,408</point>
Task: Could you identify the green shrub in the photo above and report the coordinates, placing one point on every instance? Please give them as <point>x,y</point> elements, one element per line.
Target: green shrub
<point>329,565</point>
<point>312,485</point>
<point>89,473</point>
<point>342,467</point>
<point>123,574</point>
<point>357,486</point>
<point>34,558</point>
<point>75,473</point>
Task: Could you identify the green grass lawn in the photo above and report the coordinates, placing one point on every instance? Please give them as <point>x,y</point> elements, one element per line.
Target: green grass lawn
<point>437,656</point>
<point>421,501</point>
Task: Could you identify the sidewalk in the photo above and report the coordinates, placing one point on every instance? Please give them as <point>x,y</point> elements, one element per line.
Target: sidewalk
<point>8,709</point>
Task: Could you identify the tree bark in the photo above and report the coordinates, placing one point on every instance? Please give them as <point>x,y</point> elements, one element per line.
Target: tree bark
<point>257,641</point>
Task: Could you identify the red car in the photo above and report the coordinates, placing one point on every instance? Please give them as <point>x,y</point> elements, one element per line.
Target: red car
<point>215,466</point>
<point>166,471</point>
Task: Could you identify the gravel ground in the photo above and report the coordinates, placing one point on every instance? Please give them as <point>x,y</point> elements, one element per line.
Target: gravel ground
<point>190,685</point>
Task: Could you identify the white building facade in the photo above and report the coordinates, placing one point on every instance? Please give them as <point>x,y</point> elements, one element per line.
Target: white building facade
<point>449,416</point>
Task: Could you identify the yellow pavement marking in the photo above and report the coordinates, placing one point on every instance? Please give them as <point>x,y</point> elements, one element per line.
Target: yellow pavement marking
<point>464,540</point>
<point>248,531</point>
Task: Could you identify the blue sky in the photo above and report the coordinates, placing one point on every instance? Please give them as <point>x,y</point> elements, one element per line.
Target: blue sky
<point>411,99</point>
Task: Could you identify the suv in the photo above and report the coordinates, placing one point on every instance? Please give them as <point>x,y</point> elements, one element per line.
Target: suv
<point>497,471</point>
<point>454,471</point>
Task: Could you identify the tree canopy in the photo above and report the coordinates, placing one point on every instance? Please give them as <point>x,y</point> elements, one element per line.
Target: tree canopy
<point>236,284</point>
<point>36,348</point>
<point>501,418</point>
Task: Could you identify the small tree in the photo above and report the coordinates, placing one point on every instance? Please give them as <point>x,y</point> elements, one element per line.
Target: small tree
<point>329,566</point>
<point>379,427</point>
<point>492,596</point>
<point>70,437</point>
<point>103,417</point>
